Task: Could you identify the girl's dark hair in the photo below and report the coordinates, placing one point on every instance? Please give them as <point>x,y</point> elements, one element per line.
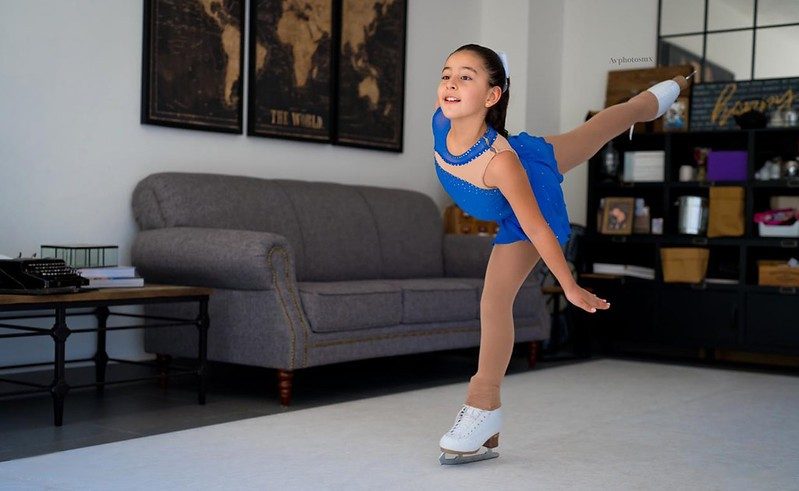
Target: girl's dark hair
<point>496,76</point>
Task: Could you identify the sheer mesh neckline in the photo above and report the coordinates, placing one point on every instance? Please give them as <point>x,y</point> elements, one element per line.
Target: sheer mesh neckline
<point>464,181</point>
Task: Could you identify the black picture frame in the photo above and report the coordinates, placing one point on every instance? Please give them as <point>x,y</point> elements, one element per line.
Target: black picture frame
<point>168,73</point>
<point>359,120</point>
<point>277,106</point>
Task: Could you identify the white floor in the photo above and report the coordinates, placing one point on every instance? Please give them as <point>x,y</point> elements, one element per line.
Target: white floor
<point>603,424</point>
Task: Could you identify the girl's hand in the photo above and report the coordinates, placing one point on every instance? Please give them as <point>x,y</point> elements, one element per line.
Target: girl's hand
<point>585,299</point>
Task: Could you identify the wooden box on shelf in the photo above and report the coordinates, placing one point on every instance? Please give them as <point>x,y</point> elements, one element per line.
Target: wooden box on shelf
<point>776,273</point>
<point>456,221</point>
<point>684,264</point>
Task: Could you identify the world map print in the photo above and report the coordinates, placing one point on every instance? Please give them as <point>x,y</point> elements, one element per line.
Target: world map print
<point>194,64</point>
<point>371,73</point>
<point>290,69</point>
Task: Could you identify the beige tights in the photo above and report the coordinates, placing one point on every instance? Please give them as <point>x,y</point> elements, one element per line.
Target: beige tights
<point>510,264</point>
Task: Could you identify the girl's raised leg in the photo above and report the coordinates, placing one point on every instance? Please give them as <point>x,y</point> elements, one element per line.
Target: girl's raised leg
<point>581,143</point>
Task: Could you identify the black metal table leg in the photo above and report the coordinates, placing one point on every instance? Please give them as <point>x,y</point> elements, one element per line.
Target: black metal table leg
<point>59,386</point>
<point>202,325</point>
<point>100,356</point>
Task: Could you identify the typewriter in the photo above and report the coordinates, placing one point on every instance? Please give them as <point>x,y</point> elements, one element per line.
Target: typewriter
<point>32,276</point>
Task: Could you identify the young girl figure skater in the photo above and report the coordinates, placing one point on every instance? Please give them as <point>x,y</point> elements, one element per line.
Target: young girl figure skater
<point>515,181</point>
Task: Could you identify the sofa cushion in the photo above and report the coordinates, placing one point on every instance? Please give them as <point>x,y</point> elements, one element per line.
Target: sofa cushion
<point>346,305</point>
<point>437,299</point>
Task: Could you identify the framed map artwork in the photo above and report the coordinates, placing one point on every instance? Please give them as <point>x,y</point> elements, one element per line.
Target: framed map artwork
<point>191,64</point>
<point>371,74</point>
<point>290,69</point>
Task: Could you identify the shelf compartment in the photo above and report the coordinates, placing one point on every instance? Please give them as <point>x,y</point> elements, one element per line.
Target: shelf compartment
<point>683,145</point>
<point>761,201</point>
<point>756,253</point>
<point>688,318</point>
<point>723,263</point>
<point>766,325</point>
<point>779,142</point>
<point>652,196</point>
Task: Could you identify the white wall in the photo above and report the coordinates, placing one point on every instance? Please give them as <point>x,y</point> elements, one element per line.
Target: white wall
<point>72,148</point>
<point>504,27</point>
<point>545,67</point>
<point>593,32</point>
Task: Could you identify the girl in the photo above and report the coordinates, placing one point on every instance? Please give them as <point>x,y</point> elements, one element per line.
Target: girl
<point>515,181</point>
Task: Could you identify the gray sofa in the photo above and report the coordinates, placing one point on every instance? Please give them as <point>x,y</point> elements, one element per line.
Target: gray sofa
<point>311,273</point>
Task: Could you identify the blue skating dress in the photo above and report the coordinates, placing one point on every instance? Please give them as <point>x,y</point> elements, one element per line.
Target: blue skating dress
<point>538,158</point>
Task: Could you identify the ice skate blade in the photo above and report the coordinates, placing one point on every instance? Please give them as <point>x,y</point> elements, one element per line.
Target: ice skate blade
<point>466,459</point>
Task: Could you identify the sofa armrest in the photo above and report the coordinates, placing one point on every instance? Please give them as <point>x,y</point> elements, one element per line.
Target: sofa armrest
<point>217,258</point>
<point>466,256</point>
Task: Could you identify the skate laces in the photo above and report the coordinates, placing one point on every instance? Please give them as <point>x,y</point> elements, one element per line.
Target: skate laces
<point>467,419</point>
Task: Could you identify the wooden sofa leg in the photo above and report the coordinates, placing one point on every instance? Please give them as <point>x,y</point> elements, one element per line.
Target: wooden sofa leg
<point>532,355</point>
<point>284,379</point>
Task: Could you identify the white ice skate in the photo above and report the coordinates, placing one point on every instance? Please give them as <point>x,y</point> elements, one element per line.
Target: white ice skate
<point>666,92</point>
<point>474,428</point>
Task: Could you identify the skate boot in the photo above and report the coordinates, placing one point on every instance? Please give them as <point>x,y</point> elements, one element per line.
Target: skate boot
<point>473,428</point>
<point>666,92</point>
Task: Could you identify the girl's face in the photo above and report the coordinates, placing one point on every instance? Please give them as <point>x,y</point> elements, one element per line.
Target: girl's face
<point>464,89</point>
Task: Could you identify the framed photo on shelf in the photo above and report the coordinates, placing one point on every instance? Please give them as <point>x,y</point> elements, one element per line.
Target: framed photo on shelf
<point>290,70</point>
<point>371,74</point>
<point>676,117</point>
<point>618,214</point>
<point>192,55</point>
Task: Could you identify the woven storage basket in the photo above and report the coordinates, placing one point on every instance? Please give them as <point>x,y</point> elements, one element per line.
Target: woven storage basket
<point>684,264</point>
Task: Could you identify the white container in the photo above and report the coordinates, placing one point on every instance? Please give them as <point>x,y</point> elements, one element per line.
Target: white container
<point>779,230</point>
<point>693,215</point>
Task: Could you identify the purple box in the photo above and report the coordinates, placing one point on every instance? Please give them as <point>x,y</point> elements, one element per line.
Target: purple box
<point>726,165</point>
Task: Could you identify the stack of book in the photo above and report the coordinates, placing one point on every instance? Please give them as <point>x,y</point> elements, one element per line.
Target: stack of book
<point>625,270</point>
<point>644,165</point>
<point>111,277</point>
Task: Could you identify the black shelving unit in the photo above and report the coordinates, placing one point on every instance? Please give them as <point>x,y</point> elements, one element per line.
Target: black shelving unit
<point>743,316</point>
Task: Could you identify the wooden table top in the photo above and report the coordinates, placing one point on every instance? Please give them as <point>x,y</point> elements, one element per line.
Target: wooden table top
<point>146,291</point>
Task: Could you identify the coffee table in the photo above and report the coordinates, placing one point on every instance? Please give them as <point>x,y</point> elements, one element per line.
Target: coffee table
<point>100,300</point>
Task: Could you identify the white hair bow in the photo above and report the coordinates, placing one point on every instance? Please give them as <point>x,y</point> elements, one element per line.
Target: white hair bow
<point>504,58</point>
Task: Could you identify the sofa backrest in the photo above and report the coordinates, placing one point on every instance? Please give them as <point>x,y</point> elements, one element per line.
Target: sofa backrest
<point>336,231</point>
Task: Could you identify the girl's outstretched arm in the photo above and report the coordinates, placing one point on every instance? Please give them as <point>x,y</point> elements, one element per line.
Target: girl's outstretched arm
<point>581,143</point>
<point>508,174</point>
